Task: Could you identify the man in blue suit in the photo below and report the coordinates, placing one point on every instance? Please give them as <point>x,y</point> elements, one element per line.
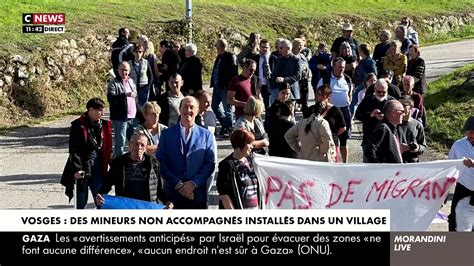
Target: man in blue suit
<point>187,156</point>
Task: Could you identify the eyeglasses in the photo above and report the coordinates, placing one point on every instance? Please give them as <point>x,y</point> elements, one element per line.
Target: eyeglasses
<point>380,92</point>
<point>139,52</point>
<point>399,111</point>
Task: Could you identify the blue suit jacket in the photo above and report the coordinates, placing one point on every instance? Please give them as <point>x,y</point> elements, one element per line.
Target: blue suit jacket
<point>197,165</point>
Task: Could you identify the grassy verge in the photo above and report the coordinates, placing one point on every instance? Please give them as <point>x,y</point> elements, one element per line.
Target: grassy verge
<point>466,32</point>
<point>449,103</point>
<point>265,16</point>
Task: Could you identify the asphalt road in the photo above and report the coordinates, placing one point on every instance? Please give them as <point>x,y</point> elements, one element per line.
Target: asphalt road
<point>32,158</point>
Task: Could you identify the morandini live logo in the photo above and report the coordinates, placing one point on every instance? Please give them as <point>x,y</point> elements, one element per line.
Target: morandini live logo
<point>44,22</point>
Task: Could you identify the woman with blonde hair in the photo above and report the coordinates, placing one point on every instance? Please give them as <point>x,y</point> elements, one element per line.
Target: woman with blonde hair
<point>150,127</point>
<point>350,58</point>
<point>250,49</point>
<point>251,121</point>
<point>311,138</point>
<point>395,61</point>
<point>150,56</point>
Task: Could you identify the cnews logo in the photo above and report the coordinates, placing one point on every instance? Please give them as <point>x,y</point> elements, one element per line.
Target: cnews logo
<point>44,18</point>
<point>44,22</point>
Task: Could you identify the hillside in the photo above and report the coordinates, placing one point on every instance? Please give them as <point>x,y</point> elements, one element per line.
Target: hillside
<point>48,74</point>
<point>270,17</point>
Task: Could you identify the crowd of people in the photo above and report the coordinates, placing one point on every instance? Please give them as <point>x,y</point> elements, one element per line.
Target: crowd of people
<point>165,123</point>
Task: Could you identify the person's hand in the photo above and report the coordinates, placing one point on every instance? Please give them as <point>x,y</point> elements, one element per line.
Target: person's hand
<point>79,174</point>
<point>468,162</point>
<point>404,147</point>
<point>151,149</point>
<point>169,205</point>
<point>100,200</point>
<point>187,190</point>
<point>375,112</point>
<point>131,94</point>
<point>280,79</point>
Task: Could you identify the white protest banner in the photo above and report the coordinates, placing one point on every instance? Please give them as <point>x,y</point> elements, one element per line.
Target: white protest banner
<point>412,192</point>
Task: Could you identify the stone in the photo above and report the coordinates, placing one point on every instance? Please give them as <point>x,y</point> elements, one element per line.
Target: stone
<point>1,83</point>
<point>453,22</point>
<point>22,73</point>
<point>8,79</point>
<point>32,69</point>
<point>19,58</point>
<point>63,44</point>
<point>236,36</point>
<point>50,61</point>
<point>80,60</point>
<point>10,69</point>
<point>22,83</point>
<point>111,38</point>
<point>74,53</point>
<point>73,43</point>
<point>67,59</point>
<point>445,27</point>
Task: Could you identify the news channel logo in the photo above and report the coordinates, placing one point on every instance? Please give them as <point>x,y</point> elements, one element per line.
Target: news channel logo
<point>50,23</point>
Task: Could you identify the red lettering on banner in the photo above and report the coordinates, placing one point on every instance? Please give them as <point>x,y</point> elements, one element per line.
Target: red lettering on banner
<point>395,189</point>
<point>305,196</point>
<point>350,191</point>
<point>272,180</point>
<point>299,195</point>
<point>333,187</point>
<point>388,189</point>
<point>416,187</point>
<point>276,184</point>
<point>426,190</point>
<point>378,189</point>
<point>288,195</point>
<point>442,190</point>
<point>411,187</point>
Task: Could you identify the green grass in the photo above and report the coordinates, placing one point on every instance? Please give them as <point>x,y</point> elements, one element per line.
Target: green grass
<point>241,15</point>
<point>449,104</point>
<point>466,32</point>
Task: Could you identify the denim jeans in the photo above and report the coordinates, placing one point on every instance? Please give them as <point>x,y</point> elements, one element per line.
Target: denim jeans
<point>224,117</point>
<point>265,91</point>
<point>123,130</point>
<point>143,93</point>
<point>92,181</point>
<point>273,95</point>
<point>355,99</point>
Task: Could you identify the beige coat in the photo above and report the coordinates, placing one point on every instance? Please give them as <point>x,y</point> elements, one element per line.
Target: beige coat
<point>317,144</point>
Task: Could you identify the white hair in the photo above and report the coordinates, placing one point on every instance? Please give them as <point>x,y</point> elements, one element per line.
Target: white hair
<point>191,47</point>
<point>287,43</point>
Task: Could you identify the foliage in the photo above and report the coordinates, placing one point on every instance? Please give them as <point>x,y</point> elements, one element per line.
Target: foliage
<point>450,101</point>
